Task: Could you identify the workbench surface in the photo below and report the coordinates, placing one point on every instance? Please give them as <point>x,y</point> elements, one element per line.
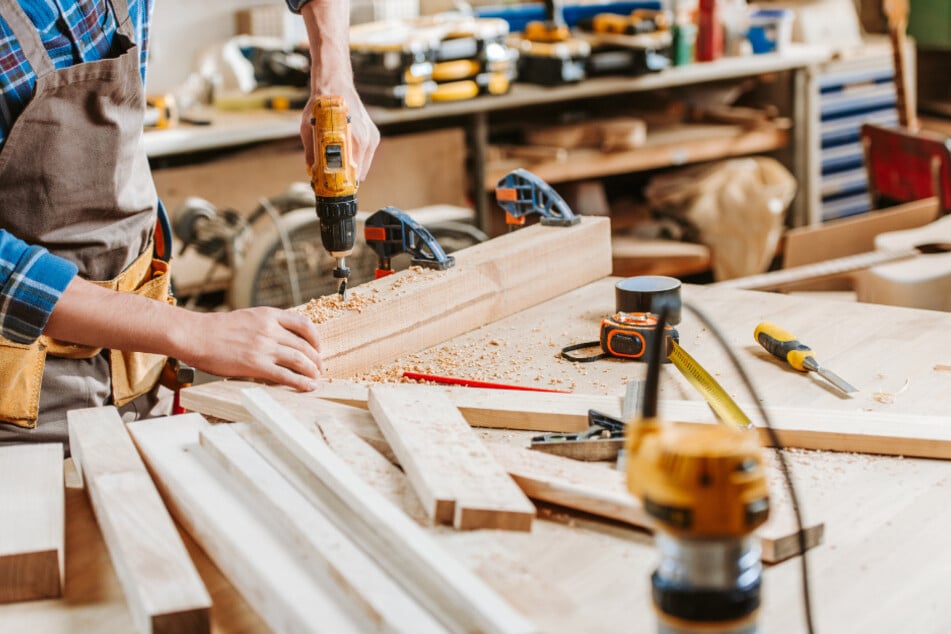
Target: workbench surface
<point>882,567</point>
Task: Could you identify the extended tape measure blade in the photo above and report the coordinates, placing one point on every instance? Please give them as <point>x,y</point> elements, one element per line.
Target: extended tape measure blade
<point>724,407</point>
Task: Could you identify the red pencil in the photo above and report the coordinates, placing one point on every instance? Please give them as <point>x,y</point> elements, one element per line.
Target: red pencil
<point>448,380</point>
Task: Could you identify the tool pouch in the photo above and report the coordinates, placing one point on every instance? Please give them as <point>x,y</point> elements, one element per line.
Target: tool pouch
<point>133,373</point>
<point>21,375</point>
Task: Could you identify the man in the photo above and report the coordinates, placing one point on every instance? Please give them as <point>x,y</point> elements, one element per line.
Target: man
<point>79,273</point>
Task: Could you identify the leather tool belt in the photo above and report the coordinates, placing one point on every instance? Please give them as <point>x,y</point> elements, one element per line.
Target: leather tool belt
<point>133,373</point>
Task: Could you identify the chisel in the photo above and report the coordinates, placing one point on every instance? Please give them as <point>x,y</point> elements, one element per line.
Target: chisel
<point>784,345</point>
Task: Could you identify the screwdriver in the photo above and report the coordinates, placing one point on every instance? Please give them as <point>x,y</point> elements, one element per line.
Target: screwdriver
<point>784,345</point>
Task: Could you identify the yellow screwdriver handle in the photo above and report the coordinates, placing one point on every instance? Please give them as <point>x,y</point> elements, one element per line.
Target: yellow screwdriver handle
<point>782,344</point>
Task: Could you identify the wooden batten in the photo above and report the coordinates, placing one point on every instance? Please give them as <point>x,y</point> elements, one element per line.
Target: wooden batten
<point>31,522</point>
<point>274,576</point>
<point>599,490</point>
<point>161,584</point>
<point>455,476</point>
<point>436,579</point>
<point>370,590</point>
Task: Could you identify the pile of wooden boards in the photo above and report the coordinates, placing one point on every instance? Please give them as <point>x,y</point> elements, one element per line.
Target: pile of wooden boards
<point>310,543</point>
<point>414,414</point>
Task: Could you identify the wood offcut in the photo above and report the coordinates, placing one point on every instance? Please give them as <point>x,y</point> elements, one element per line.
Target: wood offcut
<point>161,584</point>
<point>31,522</point>
<point>455,476</point>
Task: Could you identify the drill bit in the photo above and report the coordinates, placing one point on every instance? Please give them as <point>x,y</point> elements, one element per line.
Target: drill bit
<point>342,291</point>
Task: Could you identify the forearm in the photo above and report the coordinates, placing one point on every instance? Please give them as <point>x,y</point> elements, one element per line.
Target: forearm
<point>94,316</point>
<point>328,24</point>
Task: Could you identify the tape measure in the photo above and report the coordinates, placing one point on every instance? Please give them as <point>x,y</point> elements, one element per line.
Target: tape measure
<point>623,335</point>
<point>629,336</point>
<point>719,401</point>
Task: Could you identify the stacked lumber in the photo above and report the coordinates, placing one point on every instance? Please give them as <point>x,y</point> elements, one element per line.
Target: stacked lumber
<point>860,431</point>
<point>590,488</point>
<point>311,538</point>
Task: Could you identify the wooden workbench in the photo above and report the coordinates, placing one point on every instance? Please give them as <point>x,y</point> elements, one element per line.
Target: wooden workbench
<point>882,568</point>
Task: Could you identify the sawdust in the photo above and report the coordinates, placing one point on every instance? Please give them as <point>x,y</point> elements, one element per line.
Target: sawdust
<point>889,397</point>
<point>323,309</point>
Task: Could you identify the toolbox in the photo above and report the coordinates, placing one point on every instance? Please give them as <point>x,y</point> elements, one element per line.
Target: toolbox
<point>446,57</point>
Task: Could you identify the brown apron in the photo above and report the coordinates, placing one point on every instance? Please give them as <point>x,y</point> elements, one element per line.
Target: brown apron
<point>74,178</point>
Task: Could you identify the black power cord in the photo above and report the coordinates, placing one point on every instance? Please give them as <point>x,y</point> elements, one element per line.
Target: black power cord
<point>649,410</point>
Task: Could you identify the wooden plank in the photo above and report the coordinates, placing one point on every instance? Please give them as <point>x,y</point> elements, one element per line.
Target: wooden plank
<point>601,490</point>
<point>907,435</point>
<point>411,310</point>
<point>851,236</point>
<point>531,411</point>
<point>222,399</point>
<point>383,602</point>
<point>446,587</point>
<point>273,576</point>
<point>674,145</point>
<point>374,468</point>
<point>504,409</point>
<point>31,522</point>
<point>161,585</point>
<point>455,476</point>
<point>857,431</point>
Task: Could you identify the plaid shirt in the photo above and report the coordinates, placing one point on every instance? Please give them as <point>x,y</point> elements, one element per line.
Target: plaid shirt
<point>31,279</point>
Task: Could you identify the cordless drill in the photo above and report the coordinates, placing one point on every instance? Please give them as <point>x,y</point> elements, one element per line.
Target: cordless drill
<point>334,179</point>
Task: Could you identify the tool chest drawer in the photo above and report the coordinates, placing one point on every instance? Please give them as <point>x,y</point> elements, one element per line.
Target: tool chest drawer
<point>851,92</point>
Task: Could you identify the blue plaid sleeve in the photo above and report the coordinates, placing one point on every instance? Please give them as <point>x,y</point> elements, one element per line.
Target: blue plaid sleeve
<point>31,282</point>
<point>295,5</point>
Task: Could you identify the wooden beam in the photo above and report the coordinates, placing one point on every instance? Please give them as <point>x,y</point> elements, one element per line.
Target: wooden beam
<point>411,311</point>
<point>31,522</point>
<point>600,490</point>
<point>386,605</point>
<point>161,585</point>
<point>276,579</point>
<point>439,581</point>
<point>454,475</point>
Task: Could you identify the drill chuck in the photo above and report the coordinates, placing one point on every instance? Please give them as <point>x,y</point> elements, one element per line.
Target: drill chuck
<point>338,224</point>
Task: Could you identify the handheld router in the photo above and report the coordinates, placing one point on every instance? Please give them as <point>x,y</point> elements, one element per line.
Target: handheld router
<point>334,180</point>
<point>706,489</point>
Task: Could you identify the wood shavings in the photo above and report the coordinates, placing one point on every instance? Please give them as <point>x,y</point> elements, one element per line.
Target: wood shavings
<point>322,309</point>
<point>889,397</point>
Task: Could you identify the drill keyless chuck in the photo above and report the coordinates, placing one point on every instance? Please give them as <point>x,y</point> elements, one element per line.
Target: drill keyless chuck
<point>338,227</point>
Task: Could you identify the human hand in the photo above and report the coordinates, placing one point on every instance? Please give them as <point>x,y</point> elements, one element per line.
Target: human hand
<point>260,343</point>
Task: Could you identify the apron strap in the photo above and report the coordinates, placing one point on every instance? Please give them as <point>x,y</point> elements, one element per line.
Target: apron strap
<point>120,8</point>
<point>28,36</point>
